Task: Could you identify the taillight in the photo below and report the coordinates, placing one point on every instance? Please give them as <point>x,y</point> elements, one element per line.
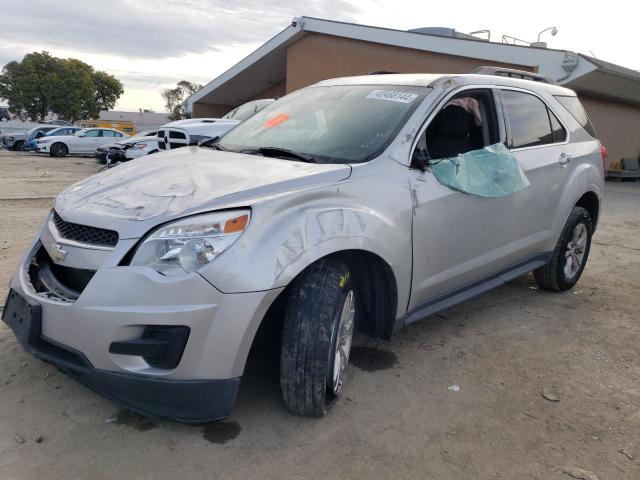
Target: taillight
<point>603,152</point>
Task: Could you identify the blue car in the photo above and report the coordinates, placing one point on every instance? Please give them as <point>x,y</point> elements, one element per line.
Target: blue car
<point>31,144</point>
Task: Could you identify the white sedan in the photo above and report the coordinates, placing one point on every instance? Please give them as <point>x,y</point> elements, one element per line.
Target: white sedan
<point>85,141</point>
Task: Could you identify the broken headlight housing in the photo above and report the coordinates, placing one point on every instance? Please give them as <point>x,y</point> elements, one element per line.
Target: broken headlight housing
<point>188,244</point>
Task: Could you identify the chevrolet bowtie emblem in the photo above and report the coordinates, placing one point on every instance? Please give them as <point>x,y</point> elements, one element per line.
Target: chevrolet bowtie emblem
<point>57,253</point>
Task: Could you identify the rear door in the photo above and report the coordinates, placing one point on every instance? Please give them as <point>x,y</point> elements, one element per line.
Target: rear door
<point>539,141</point>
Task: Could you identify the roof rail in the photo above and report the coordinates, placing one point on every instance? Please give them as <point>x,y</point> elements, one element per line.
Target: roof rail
<point>512,73</point>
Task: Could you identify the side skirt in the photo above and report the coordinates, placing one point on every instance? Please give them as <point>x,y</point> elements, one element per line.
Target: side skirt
<point>435,305</point>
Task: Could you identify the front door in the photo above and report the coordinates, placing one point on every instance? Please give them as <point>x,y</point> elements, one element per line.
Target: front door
<point>90,141</point>
<point>458,238</point>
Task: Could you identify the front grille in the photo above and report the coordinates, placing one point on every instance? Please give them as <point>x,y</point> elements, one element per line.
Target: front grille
<point>169,139</point>
<point>84,233</point>
<point>57,281</point>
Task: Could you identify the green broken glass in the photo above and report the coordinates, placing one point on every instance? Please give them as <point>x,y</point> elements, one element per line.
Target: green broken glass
<point>492,172</point>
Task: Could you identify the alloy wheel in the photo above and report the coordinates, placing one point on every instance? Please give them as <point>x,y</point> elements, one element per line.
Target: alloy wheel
<point>574,254</point>
<point>344,334</point>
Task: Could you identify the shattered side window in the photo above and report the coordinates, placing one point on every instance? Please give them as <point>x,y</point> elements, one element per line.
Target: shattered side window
<point>490,172</point>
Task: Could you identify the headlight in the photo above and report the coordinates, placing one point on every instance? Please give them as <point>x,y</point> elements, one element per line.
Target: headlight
<point>138,146</point>
<point>44,141</point>
<point>189,244</point>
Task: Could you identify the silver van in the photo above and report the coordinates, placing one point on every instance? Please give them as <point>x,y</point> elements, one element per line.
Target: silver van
<point>365,202</point>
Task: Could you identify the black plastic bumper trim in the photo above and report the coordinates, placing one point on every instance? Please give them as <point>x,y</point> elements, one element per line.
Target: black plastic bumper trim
<point>187,401</point>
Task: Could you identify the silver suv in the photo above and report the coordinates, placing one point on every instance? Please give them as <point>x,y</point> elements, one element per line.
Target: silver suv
<point>365,202</point>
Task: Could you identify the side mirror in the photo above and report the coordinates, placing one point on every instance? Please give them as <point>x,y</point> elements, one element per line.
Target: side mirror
<point>82,134</point>
<point>420,159</point>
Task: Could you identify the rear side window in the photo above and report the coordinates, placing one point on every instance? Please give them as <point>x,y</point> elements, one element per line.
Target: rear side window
<point>530,121</point>
<point>557,130</point>
<point>575,108</point>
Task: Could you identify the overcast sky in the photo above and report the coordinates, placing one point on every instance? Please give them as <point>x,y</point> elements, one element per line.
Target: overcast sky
<point>150,45</point>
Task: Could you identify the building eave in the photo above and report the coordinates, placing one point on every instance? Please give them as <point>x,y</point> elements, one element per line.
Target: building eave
<point>267,65</point>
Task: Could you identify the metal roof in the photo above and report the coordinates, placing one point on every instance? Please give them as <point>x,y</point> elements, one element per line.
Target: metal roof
<point>266,66</point>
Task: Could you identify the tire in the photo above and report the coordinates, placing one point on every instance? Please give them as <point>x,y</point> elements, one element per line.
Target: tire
<point>58,150</point>
<point>562,272</point>
<point>18,145</point>
<point>318,327</point>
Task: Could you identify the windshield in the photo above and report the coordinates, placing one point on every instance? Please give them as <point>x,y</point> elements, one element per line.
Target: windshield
<point>333,124</point>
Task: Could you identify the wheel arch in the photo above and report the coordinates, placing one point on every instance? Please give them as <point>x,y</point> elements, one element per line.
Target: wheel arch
<point>377,293</point>
<point>58,142</point>
<point>591,203</point>
<point>377,290</point>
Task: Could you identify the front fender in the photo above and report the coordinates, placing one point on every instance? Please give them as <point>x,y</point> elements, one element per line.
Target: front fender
<point>288,234</point>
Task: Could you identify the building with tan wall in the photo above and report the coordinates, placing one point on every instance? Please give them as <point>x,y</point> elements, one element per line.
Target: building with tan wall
<point>310,50</point>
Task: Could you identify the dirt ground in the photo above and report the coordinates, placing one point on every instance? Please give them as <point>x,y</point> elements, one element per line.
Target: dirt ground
<point>400,416</point>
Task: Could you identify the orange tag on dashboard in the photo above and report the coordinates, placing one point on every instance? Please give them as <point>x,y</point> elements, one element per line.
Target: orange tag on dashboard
<point>277,120</point>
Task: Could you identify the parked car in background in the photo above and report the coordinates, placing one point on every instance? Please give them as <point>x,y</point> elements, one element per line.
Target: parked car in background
<point>139,145</point>
<point>32,145</point>
<point>5,116</point>
<point>192,131</point>
<point>248,109</point>
<point>195,130</point>
<point>17,141</point>
<point>84,141</point>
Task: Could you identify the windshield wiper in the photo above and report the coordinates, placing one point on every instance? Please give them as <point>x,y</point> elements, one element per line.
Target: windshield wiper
<point>212,143</point>
<point>282,152</point>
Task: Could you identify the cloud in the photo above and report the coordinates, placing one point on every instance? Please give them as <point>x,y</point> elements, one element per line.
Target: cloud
<point>157,29</point>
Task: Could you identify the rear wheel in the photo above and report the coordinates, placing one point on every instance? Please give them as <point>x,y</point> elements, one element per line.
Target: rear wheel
<point>570,255</point>
<point>58,150</point>
<point>18,145</point>
<point>316,338</point>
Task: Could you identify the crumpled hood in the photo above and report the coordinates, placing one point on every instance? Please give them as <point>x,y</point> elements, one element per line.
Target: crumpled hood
<point>135,197</point>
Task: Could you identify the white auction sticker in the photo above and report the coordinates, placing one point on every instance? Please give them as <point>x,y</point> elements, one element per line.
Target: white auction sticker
<point>393,96</point>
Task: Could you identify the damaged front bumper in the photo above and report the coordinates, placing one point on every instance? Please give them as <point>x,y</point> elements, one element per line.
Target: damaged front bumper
<point>117,306</point>
<point>188,401</point>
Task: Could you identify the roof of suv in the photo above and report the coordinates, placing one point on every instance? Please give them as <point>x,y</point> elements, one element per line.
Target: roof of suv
<point>427,79</point>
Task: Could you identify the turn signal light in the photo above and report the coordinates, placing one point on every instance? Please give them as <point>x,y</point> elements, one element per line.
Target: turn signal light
<point>237,224</point>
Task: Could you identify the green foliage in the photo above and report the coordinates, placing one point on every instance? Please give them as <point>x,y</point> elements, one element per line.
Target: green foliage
<point>175,98</point>
<point>41,84</point>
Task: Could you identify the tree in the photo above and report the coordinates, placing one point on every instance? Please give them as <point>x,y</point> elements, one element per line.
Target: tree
<point>41,84</point>
<point>175,98</point>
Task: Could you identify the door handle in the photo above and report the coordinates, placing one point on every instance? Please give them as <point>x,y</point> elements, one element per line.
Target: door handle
<point>564,158</point>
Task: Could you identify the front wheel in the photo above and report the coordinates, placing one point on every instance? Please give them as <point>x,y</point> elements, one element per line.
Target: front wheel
<point>58,150</point>
<point>316,339</point>
<point>570,255</point>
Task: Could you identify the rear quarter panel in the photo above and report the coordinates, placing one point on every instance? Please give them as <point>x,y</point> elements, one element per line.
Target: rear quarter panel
<point>585,172</point>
